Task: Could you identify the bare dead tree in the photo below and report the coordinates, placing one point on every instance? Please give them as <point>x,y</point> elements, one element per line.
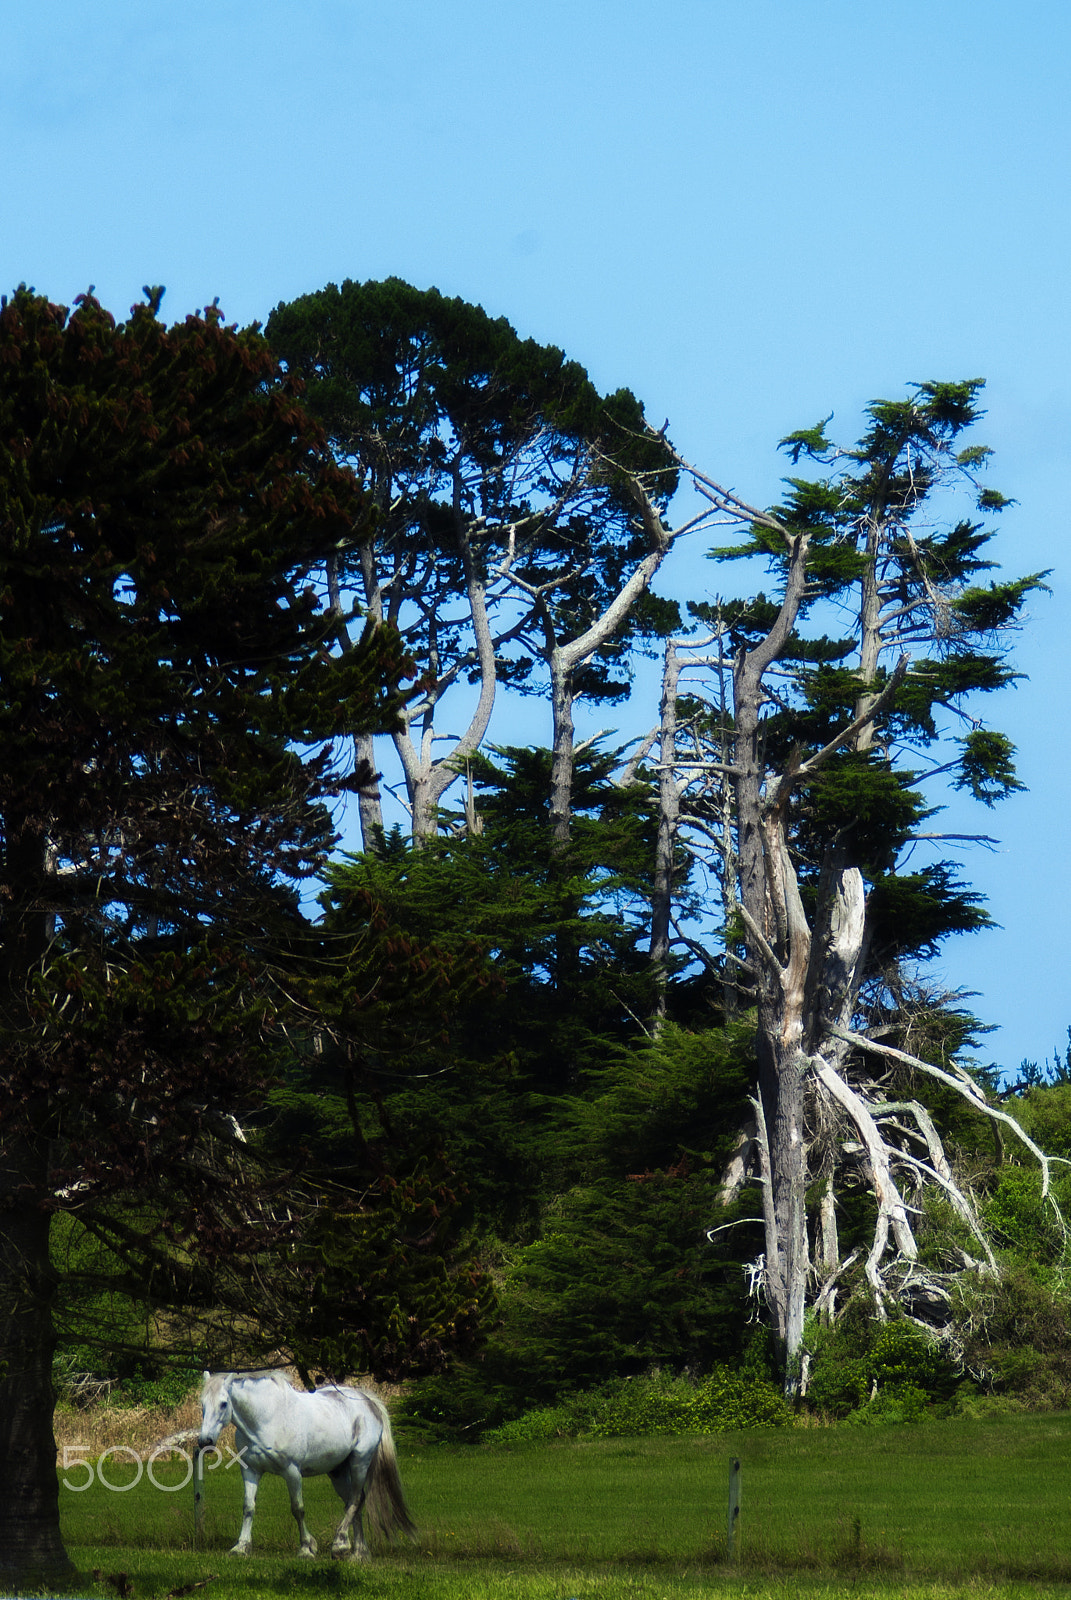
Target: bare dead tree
<point>823,1111</point>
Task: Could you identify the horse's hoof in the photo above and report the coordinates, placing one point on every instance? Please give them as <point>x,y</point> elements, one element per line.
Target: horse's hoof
<point>238,1550</point>
<point>307,1550</point>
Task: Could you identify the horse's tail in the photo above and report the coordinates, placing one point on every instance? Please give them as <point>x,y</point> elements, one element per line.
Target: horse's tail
<point>384,1497</point>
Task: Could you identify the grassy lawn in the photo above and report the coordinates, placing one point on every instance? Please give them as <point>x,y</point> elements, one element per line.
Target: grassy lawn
<point>961,1508</point>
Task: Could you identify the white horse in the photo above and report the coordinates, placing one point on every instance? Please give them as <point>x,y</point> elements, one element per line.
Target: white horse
<point>340,1431</point>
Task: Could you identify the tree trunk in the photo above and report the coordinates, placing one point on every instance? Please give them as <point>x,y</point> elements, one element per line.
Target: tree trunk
<point>669,802</point>
<point>561,765</point>
<point>782,1079</point>
<point>369,799</point>
<point>829,1241</point>
<point>31,1546</point>
<point>870,630</point>
<point>779,952</point>
<point>426,779</point>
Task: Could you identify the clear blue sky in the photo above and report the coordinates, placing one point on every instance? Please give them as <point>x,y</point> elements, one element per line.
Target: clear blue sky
<point>750,213</point>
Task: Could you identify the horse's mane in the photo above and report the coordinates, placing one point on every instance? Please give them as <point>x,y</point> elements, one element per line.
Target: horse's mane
<point>271,1373</point>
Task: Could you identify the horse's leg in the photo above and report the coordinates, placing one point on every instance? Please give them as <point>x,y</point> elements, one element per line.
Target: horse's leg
<point>306,1542</point>
<point>250,1483</point>
<point>348,1481</point>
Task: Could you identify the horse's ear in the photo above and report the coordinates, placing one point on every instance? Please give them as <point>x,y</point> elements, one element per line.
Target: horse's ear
<point>206,1376</point>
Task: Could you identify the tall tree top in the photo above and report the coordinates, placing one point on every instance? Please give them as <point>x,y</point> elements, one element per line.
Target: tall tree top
<point>164,500</point>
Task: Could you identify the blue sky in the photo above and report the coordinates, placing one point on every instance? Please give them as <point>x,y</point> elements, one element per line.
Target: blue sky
<point>752,215</point>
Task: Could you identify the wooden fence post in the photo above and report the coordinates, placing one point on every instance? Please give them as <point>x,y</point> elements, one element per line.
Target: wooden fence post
<point>198,1499</point>
<point>733,1526</point>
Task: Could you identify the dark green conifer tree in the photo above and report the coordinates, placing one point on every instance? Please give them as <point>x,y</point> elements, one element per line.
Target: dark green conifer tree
<point>528,1035</point>
<point>169,700</point>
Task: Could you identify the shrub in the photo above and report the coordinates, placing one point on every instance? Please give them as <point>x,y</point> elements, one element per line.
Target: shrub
<point>1021,1219</point>
<point>1018,1341</point>
<point>724,1401</point>
<point>167,1388</point>
<point>905,1403</point>
<point>457,1407</point>
<point>877,1371</point>
<point>81,1379</point>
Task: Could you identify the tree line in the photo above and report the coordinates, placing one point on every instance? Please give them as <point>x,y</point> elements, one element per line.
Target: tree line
<point>614,1057</point>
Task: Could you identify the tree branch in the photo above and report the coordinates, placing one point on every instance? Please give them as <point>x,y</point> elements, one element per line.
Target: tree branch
<point>891,1208</point>
<point>962,1083</point>
<point>788,780</point>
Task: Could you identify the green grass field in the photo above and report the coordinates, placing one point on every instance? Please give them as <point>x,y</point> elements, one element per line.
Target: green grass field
<point>957,1508</point>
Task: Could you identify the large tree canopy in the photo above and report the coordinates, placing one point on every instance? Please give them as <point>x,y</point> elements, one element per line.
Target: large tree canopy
<point>518,510</point>
<point>168,701</point>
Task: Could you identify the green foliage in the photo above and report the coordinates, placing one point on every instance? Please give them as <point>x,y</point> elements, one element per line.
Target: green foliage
<point>101,1327</point>
<point>1018,1336</point>
<point>391,1290</point>
<point>453,419</point>
<point>519,1028</point>
<point>872,1371</point>
<point>858,799</point>
<point>986,766</point>
<point>899,1403</point>
<point>561,931</point>
<point>643,1108</point>
<point>619,1278</point>
<point>912,913</point>
<point>1024,1222</point>
<point>623,1275</point>
<point>459,1406</point>
<point>1044,1109</point>
<point>723,1401</point>
<point>154,1386</point>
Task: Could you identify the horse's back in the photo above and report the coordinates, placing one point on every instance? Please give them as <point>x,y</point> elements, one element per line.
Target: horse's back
<point>315,1432</point>
<point>348,1413</point>
<point>333,1424</point>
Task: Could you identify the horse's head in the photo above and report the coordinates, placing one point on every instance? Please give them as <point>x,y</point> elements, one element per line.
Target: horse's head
<point>215,1408</point>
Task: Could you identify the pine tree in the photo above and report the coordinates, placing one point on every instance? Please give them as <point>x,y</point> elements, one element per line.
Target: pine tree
<point>168,706</point>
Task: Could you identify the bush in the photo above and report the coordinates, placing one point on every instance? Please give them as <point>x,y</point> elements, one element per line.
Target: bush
<point>905,1403</point>
<point>873,1371</point>
<point>452,1408</point>
<point>1021,1219</point>
<point>1018,1343</point>
<point>723,1402</point>
<point>80,1379</point>
<point>165,1389</point>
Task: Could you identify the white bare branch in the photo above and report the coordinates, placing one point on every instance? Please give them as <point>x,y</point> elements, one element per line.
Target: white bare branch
<point>964,1084</point>
<point>891,1209</point>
